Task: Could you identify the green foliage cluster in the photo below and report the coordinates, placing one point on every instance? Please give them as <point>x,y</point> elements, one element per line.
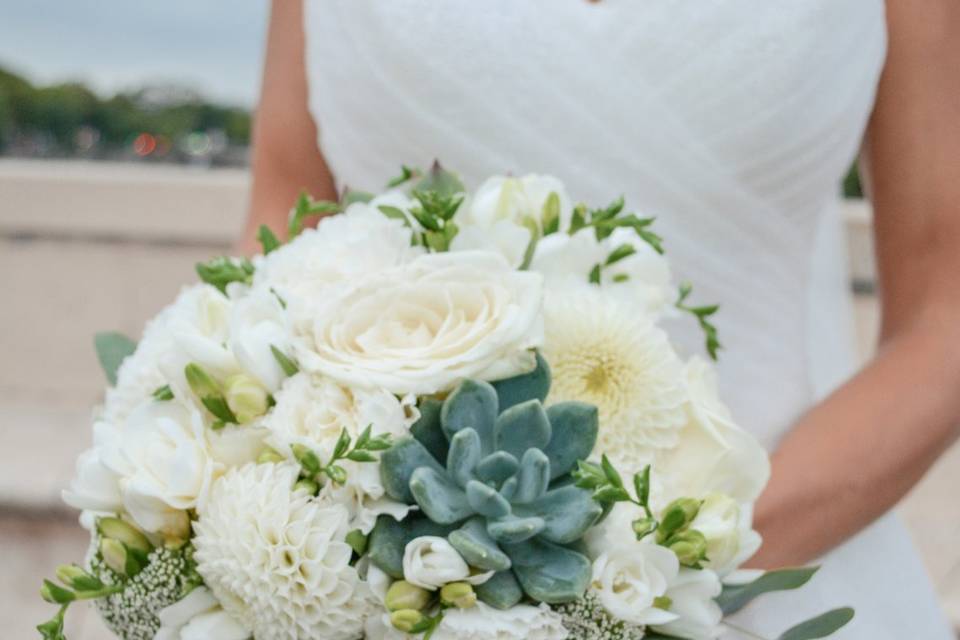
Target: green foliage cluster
<point>59,111</point>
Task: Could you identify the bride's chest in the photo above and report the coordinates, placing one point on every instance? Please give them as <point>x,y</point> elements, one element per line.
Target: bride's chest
<point>732,79</point>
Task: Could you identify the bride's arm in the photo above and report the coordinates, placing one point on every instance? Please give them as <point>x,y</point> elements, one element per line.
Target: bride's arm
<point>854,456</point>
<point>286,159</point>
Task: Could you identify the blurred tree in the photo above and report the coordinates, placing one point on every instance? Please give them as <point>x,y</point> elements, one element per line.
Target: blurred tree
<point>58,113</point>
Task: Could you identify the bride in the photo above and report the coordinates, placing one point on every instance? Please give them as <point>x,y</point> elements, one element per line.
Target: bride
<point>733,122</point>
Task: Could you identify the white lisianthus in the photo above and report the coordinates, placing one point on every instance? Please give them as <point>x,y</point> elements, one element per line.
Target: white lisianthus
<point>165,466</point>
<point>431,562</point>
<point>257,324</point>
<point>276,559</point>
<point>198,616</point>
<point>712,454</point>
<point>200,334</point>
<point>642,278</point>
<point>505,212</point>
<point>691,595</point>
<point>313,411</point>
<point>344,247</point>
<point>606,352</point>
<point>422,327</point>
<point>96,487</point>
<point>140,374</point>
<point>726,525</point>
<point>630,580</point>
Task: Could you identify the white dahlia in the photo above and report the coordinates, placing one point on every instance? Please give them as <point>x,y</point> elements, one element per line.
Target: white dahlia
<point>276,559</point>
<point>313,411</point>
<point>607,352</point>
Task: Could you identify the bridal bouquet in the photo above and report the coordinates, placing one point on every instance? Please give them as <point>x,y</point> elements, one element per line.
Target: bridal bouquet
<point>439,414</point>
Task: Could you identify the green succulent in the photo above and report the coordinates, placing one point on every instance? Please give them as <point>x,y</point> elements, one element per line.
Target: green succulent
<point>490,468</point>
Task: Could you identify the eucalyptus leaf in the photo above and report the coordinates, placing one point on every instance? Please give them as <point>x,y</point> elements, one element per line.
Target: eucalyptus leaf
<point>112,348</point>
<point>824,625</point>
<point>735,597</point>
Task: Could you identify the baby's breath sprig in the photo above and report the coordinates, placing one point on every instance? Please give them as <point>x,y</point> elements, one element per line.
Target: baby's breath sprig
<point>363,450</point>
<point>702,314</point>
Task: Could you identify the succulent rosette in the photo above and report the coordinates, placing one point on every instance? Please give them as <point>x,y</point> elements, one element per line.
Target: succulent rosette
<point>440,414</point>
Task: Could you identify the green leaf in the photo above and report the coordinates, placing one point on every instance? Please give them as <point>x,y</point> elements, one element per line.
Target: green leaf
<point>594,277</point>
<point>440,180</point>
<point>702,314</point>
<point>343,444</point>
<point>307,207</point>
<point>52,629</point>
<point>588,475</point>
<point>824,625</point>
<point>112,348</point>
<point>395,213</point>
<point>267,239</point>
<point>610,494</point>
<point>308,459</point>
<point>357,541</point>
<point>735,597</point>
<point>621,252</point>
<point>612,475</point>
<point>218,406</point>
<point>641,483</point>
<point>578,220</point>
<point>361,455</point>
<point>162,394</point>
<point>406,174</point>
<point>289,366</point>
<point>350,196</point>
<point>364,437</point>
<point>222,270</point>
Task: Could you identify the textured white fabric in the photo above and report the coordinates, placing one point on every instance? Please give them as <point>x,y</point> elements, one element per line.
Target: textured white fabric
<point>733,121</point>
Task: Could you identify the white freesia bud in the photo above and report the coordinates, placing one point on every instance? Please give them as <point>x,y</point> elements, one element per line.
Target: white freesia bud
<point>431,562</point>
<point>246,397</point>
<point>631,579</point>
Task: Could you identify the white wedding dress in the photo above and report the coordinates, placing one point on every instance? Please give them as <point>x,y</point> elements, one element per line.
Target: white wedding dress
<point>732,121</point>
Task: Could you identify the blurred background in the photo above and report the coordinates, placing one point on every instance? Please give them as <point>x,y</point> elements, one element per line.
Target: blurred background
<point>124,144</point>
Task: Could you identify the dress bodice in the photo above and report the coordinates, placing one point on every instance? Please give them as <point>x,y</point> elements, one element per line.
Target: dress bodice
<point>731,121</point>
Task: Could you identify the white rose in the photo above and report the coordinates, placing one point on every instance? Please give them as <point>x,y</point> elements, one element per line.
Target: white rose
<point>629,578</point>
<point>422,327</point>
<point>431,562</point>
<point>731,539</point>
<point>198,616</point>
<point>504,211</point>
<point>713,454</point>
<point>258,323</point>
<point>342,248</point>
<point>691,596</point>
<point>643,278</point>
<point>164,465</point>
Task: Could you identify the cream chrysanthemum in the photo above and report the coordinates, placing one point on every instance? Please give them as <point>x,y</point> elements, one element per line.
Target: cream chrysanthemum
<point>607,352</point>
<point>313,411</point>
<point>276,559</point>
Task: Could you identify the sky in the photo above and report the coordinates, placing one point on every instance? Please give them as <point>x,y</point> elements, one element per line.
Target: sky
<point>212,46</point>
